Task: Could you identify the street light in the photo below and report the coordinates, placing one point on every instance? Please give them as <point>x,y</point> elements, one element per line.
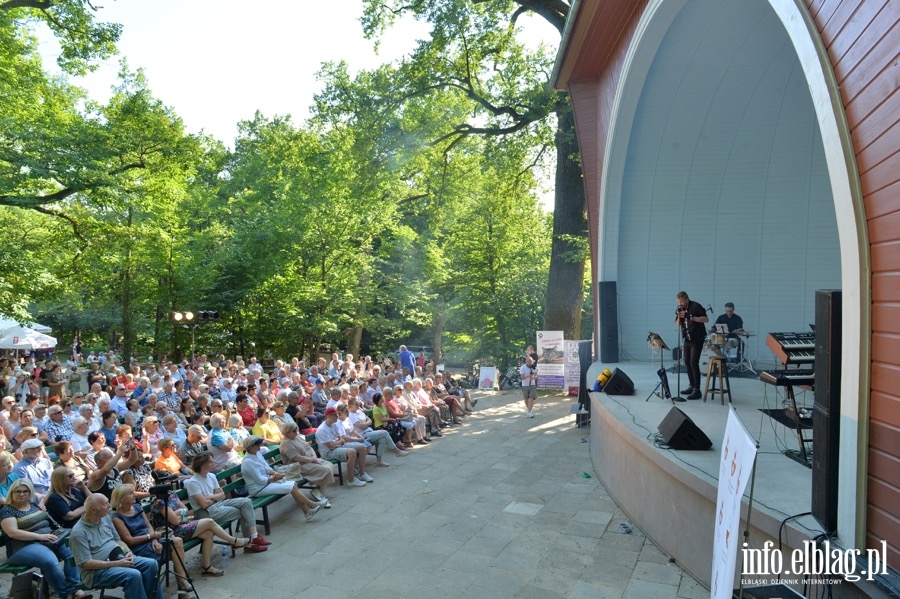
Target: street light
<point>187,318</point>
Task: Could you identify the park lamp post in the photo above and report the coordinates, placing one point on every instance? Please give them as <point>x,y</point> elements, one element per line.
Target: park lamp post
<point>189,320</point>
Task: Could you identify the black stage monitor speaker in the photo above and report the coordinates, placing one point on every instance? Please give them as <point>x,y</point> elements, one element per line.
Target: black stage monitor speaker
<point>619,384</point>
<point>680,432</point>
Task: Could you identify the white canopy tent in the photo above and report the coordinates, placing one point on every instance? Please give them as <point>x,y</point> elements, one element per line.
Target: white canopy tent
<point>6,323</point>
<point>19,337</point>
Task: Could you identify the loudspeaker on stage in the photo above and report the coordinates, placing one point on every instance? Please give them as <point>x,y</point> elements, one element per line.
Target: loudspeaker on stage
<point>618,384</point>
<point>680,432</point>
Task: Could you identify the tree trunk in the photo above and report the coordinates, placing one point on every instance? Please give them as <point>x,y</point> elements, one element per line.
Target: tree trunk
<point>437,348</point>
<point>127,316</point>
<point>565,295</point>
<point>355,341</point>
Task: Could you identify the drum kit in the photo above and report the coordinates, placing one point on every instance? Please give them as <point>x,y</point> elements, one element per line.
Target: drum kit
<point>731,346</point>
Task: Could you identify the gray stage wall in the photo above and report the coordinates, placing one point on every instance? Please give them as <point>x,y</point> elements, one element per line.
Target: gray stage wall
<point>724,192</point>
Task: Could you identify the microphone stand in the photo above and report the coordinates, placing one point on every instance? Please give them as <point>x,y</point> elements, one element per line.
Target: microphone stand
<point>677,395</point>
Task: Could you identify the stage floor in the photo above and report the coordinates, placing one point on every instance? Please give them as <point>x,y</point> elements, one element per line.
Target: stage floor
<point>783,485</point>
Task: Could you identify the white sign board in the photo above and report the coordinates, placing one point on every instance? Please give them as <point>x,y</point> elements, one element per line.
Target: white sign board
<point>487,378</point>
<point>735,469</point>
<point>551,366</point>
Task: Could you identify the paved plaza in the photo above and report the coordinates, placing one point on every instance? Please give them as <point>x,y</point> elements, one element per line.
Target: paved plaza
<point>500,507</point>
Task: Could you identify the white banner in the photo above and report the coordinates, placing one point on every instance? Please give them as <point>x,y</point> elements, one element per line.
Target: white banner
<point>551,360</point>
<point>735,468</point>
<point>573,367</point>
<point>487,378</point>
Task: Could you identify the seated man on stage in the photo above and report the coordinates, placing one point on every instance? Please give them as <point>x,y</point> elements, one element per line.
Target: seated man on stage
<point>734,323</point>
<point>731,319</point>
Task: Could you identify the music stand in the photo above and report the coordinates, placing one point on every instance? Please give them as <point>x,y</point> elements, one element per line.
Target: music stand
<point>656,343</point>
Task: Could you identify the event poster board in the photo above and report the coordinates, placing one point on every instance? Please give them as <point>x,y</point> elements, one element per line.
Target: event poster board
<point>551,360</point>
<point>573,367</point>
<point>735,469</point>
<point>487,378</point>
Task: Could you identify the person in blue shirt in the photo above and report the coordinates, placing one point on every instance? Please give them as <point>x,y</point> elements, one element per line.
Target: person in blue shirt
<point>407,359</point>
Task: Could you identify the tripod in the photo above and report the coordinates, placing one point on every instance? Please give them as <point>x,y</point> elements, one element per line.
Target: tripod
<point>168,547</point>
<point>657,344</point>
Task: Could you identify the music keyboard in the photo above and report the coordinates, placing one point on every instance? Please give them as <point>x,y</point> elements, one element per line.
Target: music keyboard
<point>785,378</point>
<point>793,348</point>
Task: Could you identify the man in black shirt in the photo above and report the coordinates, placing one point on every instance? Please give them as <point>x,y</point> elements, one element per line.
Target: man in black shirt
<point>691,319</point>
<point>731,319</point>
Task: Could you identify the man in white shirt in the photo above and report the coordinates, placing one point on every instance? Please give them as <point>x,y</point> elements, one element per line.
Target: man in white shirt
<point>528,374</point>
<point>334,446</point>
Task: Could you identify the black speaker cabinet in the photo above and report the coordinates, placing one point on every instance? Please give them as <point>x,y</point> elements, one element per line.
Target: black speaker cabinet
<point>680,432</point>
<point>608,303</point>
<point>827,409</point>
<point>619,384</point>
<point>585,359</point>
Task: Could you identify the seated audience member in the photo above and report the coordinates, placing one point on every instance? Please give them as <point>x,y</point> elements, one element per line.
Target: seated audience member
<point>427,408</point>
<point>452,402</point>
<point>7,476</point>
<point>67,457</point>
<point>208,498</point>
<point>221,445</point>
<point>30,540</point>
<point>79,439</point>
<point>410,404</point>
<point>247,414</point>
<point>266,428</point>
<point>133,527</point>
<point>151,436</point>
<point>134,418</point>
<point>106,476</point>
<point>67,496</point>
<point>238,432</point>
<point>174,514</point>
<point>172,430</point>
<point>194,444</point>
<point>168,460</point>
<point>362,424</point>
<point>402,414</point>
<point>137,472</point>
<point>35,467</point>
<point>381,419</point>
<point>295,450</point>
<point>334,445</point>
<point>102,562</point>
<point>59,428</point>
<point>261,479</point>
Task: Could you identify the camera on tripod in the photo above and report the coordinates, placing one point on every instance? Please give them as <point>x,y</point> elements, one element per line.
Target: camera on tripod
<point>161,490</point>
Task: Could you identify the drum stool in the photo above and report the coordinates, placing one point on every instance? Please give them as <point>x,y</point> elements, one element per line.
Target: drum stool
<point>718,368</point>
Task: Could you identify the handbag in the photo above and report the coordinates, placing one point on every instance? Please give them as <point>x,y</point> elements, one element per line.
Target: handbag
<point>240,491</point>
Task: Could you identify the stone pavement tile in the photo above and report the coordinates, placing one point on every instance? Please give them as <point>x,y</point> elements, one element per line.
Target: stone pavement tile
<point>459,529</point>
<point>530,591</point>
<point>492,582</point>
<point>584,590</point>
<point>523,509</point>
<point>585,529</point>
<point>691,589</point>
<point>586,545</point>
<point>652,553</point>
<point>669,574</point>
<point>632,542</point>
<point>593,517</point>
<point>642,589</point>
<point>518,559</point>
<point>487,544</point>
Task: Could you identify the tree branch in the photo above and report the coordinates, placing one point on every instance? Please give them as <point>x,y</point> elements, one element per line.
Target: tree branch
<point>38,4</point>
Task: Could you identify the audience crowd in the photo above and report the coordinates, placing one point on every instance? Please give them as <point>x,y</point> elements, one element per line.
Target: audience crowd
<point>68,457</point>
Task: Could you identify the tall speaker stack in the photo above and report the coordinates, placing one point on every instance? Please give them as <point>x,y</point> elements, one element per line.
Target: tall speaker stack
<point>827,408</point>
<point>608,303</point>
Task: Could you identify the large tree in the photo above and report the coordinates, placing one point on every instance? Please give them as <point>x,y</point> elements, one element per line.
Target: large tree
<point>474,51</point>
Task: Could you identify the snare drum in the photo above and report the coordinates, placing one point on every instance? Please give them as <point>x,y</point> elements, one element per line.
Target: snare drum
<point>717,339</point>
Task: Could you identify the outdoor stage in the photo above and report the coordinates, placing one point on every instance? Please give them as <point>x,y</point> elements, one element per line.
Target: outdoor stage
<point>671,494</point>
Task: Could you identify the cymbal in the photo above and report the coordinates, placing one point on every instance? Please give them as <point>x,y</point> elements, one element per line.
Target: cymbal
<point>743,333</point>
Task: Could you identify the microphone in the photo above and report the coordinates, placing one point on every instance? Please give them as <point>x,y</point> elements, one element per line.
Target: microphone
<point>709,307</point>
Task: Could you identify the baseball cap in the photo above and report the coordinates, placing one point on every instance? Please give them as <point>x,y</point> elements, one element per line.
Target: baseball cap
<point>252,440</point>
<point>32,444</point>
<point>330,411</point>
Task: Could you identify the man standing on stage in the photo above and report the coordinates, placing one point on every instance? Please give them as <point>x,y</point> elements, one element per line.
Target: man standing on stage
<point>691,319</point>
